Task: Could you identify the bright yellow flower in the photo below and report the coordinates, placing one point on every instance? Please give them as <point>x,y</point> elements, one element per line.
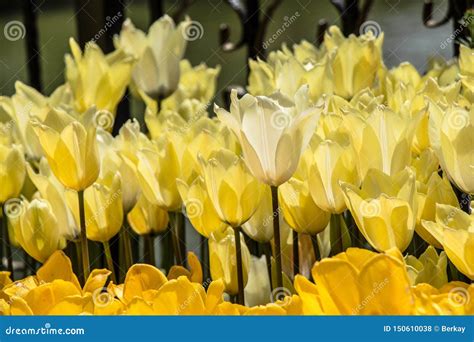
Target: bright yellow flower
<point>357,282</point>
<point>199,208</point>
<point>223,262</point>
<point>103,208</point>
<point>12,171</point>
<point>299,209</point>
<point>272,131</point>
<point>96,79</point>
<point>384,208</point>
<point>71,149</point>
<point>147,218</point>
<point>233,191</point>
<point>454,230</point>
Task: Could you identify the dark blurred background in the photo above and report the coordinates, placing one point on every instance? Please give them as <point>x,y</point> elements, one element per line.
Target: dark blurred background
<point>406,38</point>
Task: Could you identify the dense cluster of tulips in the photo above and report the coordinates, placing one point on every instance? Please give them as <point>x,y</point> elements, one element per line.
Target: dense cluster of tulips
<point>334,186</point>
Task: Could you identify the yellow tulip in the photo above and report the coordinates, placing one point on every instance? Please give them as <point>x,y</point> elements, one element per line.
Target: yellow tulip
<point>357,282</point>
<point>384,208</point>
<point>331,161</point>
<point>52,191</point>
<point>259,227</point>
<point>223,262</point>
<point>156,71</point>
<point>436,190</point>
<point>103,208</point>
<point>272,131</point>
<point>233,191</point>
<point>70,148</point>
<point>454,230</point>
<point>451,135</point>
<point>12,171</point>
<point>197,83</point>
<point>299,209</point>
<point>37,230</point>
<point>96,79</point>
<point>466,60</point>
<point>356,60</point>
<point>429,268</point>
<point>199,208</point>
<point>147,218</point>
<point>157,169</point>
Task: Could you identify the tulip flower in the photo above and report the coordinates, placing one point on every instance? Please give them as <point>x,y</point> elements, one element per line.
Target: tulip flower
<point>259,227</point>
<point>299,209</point>
<point>436,191</point>
<point>222,251</point>
<point>12,171</point>
<point>268,128</point>
<point>356,60</point>
<point>258,290</point>
<point>199,208</point>
<point>331,161</point>
<point>96,79</point>
<point>429,268</point>
<point>157,169</point>
<point>454,230</point>
<point>358,282</point>
<point>451,131</point>
<point>38,230</point>
<point>70,148</point>
<point>147,218</point>
<point>156,71</point>
<point>233,191</point>
<point>385,208</point>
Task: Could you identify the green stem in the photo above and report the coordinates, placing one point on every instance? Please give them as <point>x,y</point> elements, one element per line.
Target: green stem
<point>296,254</point>
<point>314,241</point>
<point>127,247</point>
<point>175,236</point>
<point>110,261</point>
<point>84,243</point>
<point>8,246</point>
<point>336,234</point>
<point>276,237</point>
<point>267,250</point>
<point>150,248</point>
<point>77,245</point>
<point>240,271</point>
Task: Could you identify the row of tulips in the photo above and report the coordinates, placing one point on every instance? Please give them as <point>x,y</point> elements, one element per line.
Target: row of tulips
<point>328,150</point>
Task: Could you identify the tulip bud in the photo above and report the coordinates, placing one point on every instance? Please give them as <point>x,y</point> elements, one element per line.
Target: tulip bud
<point>259,227</point>
<point>12,171</point>
<point>223,262</point>
<point>429,268</point>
